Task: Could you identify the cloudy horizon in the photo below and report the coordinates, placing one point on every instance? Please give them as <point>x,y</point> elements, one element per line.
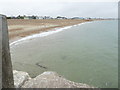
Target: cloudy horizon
<point>56,8</point>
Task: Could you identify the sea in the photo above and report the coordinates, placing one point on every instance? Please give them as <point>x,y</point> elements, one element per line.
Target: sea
<point>83,53</point>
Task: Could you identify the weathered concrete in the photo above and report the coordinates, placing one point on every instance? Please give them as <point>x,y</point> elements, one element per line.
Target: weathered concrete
<point>119,45</point>
<point>0,52</point>
<point>7,74</point>
<point>20,78</point>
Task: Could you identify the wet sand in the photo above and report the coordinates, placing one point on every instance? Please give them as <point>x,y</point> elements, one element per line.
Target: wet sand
<point>19,28</point>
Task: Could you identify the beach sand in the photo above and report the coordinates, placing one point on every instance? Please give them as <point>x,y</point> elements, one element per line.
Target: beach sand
<point>19,28</point>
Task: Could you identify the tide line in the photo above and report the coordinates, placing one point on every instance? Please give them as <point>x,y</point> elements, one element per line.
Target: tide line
<point>43,34</point>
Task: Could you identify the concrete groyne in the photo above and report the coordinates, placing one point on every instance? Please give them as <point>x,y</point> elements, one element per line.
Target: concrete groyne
<point>6,70</point>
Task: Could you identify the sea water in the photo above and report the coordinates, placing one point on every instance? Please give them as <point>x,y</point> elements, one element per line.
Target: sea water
<point>86,53</point>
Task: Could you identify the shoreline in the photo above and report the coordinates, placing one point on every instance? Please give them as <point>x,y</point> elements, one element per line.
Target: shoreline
<point>45,33</point>
<point>56,35</point>
<point>21,28</point>
<point>23,80</point>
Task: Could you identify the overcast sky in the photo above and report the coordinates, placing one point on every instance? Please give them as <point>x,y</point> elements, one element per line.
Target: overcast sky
<point>69,8</point>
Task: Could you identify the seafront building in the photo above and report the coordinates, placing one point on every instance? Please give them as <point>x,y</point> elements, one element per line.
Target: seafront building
<point>49,17</point>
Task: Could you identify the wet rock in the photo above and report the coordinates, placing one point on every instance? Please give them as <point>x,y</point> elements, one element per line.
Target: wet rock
<point>20,78</point>
<point>52,80</point>
<point>41,66</point>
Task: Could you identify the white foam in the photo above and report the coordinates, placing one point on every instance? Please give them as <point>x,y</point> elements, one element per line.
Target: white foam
<point>46,73</point>
<point>43,34</point>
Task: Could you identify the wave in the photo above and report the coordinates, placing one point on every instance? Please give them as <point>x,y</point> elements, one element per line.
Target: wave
<point>43,34</point>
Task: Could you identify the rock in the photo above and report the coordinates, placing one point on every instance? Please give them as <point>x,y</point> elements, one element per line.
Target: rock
<point>52,80</point>
<point>20,77</point>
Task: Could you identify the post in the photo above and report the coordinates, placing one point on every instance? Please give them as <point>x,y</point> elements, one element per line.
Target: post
<point>7,72</point>
<point>0,53</point>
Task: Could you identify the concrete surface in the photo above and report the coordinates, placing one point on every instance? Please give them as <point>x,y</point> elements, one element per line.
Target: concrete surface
<point>7,74</point>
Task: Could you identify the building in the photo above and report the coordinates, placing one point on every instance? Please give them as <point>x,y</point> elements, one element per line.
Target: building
<point>78,18</point>
<point>30,17</point>
<point>59,17</point>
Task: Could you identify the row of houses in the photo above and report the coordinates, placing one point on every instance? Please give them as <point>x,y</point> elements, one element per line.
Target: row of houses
<point>35,17</point>
<point>46,17</point>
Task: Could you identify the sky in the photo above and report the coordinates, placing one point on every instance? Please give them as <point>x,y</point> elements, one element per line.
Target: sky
<point>68,8</point>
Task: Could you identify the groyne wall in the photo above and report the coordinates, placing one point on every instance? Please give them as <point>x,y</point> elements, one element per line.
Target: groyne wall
<point>6,75</point>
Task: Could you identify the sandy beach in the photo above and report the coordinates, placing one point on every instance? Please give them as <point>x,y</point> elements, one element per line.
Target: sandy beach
<point>69,52</point>
<point>19,28</point>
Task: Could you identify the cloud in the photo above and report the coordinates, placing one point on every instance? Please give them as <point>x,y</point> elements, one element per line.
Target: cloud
<point>69,9</point>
